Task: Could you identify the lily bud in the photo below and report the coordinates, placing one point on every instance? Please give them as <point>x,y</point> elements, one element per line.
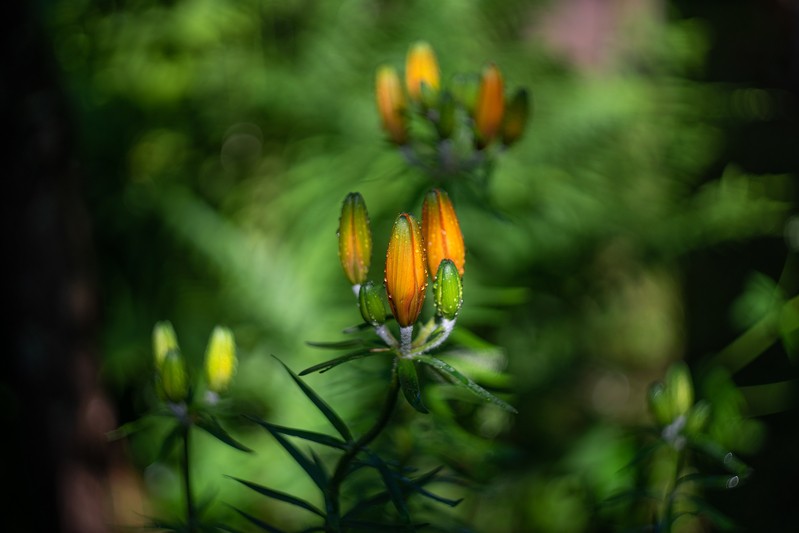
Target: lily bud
<point>421,73</point>
<point>354,239</point>
<point>490,106</point>
<point>516,116</point>
<point>371,304</point>
<point>174,380</point>
<point>164,341</point>
<point>679,388</point>
<point>441,231</point>
<point>406,272</point>
<point>220,360</point>
<point>698,417</point>
<point>391,105</point>
<point>448,290</point>
<point>659,404</point>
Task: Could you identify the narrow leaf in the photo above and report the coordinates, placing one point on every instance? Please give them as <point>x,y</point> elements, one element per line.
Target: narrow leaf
<point>211,426</point>
<point>337,345</point>
<point>309,466</point>
<point>463,381</point>
<point>320,404</point>
<point>395,491</point>
<point>170,441</point>
<point>319,438</point>
<point>258,522</point>
<point>379,526</point>
<point>278,495</point>
<point>409,381</point>
<point>332,363</point>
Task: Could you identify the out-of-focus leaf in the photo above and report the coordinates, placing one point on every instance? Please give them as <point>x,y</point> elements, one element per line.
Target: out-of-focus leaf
<point>337,345</point>
<point>312,436</point>
<point>211,426</point>
<point>725,458</point>
<point>459,379</point>
<point>394,491</point>
<point>320,404</point>
<point>352,356</point>
<point>789,327</point>
<point>278,495</point>
<point>710,481</point>
<point>409,381</point>
<point>380,526</point>
<point>719,519</point>
<point>170,441</point>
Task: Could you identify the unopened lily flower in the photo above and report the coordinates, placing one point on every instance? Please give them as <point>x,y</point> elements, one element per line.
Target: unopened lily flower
<point>220,360</point>
<point>448,290</point>
<point>490,106</point>
<point>173,378</point>
<point>391,105</point>
<point>164,341</point>
<point>355,239</point>
<point>516,117</point>
<point>406,271</point>
<point>441,231</point>
<point>421,71</point>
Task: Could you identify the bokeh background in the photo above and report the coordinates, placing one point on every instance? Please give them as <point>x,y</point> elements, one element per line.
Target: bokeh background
<point>186,160</point>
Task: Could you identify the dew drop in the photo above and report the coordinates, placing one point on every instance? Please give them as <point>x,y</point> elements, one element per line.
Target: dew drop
<point>733,482</point>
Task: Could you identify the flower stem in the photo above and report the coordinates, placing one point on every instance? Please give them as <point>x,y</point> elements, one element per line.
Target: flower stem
<point>191,519</point>
<point>342,468</point>
<point>447,326</point>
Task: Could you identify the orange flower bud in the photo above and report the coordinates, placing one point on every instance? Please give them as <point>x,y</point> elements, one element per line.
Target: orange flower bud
<point>490,106</point>
<point>516,116</point>
<point>406,272</point>
<point>421,68</point>
<point>354,239</point>
<point>391,104</point>
<point>441,231</point>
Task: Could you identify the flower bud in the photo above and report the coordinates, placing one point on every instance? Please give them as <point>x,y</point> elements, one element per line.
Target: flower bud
<point>490,106</point>
<point>441,231</point>
<point>354,239</point>
<point>391,105</point>
<point>164,340</point>
<point>698,418</point>
<point>174,380</point>
<point>421,73</point>
<point>679,388</point>
<point>448,290</point>
<point>220,360</point>
<point>516,116</point>
<point>373,310</point>
<point>406,272</point>
<point>464,88</point>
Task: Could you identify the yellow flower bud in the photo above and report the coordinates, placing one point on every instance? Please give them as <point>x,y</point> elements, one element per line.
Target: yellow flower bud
<point>490,106</point>
<point>406,272</point>
<point>441,231</point>
<point>354,239</point>
<point>220,360</point>
<point>516,116</point>
<point>391,105</point>
<point>164,340</point>
<point>680,388</point>
<point>421,70</point>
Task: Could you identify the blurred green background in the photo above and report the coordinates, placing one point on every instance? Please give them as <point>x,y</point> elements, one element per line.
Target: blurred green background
<point>644,218</point>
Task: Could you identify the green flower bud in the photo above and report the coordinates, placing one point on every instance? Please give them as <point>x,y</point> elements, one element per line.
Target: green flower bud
<point>174,379</point>
<point>220,360</point>
<point>698,417</point>
<point>659,404</point>
<point>448,290</point>
<point>373,310</point>
<point>164,341</point>
<point>679,388</point>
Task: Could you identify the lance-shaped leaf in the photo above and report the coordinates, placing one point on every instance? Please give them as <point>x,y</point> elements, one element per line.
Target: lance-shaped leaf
<point>332,363</point>
<point>463,381</point>
<point>211,425</point>
<point>310,467</point>
<point>337,345</point>
<point>258,522</point>
<point>320,404</point>
<point>409,381</point>
<point>313,436</point>
<point>278,495</point>
<point>170,441</point>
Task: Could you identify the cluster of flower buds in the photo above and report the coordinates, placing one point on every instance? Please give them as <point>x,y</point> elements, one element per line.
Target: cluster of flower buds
<point>172,376</point>
<point>468,115</point>
<point>413,251</point>
<point>672,405</point>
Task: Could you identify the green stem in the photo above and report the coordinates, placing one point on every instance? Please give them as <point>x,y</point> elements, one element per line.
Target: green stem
<point>342,468</point>
<point>191,518</point>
